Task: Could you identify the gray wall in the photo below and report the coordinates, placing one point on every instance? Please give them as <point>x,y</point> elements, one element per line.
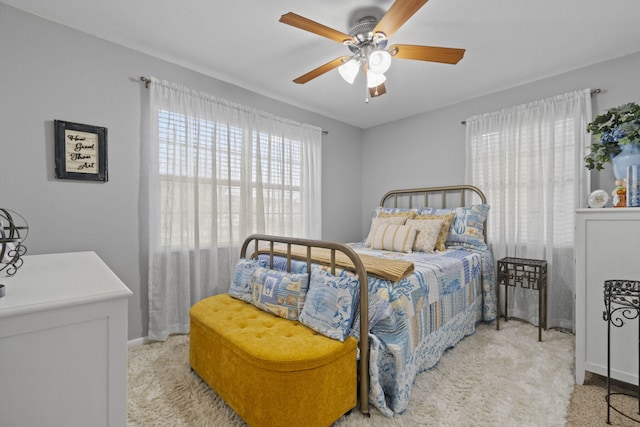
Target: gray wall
<point>428,149</point>
<point>49,72</point>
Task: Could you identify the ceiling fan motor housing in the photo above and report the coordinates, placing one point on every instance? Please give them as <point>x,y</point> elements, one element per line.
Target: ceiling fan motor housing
<point>362,32</point>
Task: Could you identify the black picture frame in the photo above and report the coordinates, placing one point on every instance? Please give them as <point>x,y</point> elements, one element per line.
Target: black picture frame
<point>80,151</point>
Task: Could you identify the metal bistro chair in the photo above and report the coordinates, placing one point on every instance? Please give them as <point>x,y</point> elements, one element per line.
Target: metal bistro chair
<point>622,302</point>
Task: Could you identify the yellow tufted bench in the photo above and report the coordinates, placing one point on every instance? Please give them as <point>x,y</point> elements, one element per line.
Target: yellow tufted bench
<point>272,371</point>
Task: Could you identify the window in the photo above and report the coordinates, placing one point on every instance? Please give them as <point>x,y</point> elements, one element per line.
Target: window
<point>529,161</point>
<point>215,171</point>
<point>510,172</point>
<point>225,173</point>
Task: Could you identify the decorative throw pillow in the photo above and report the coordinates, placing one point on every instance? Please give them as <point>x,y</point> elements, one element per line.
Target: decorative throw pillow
<point>381,212</point>
<point>240,287</point>
<point>394,237</point>
<point>279,292</point>
<point>377,222</point>
<point>427,232</point>
<point>446,219</point>
<point>331,303</point>
<point>467,229</point>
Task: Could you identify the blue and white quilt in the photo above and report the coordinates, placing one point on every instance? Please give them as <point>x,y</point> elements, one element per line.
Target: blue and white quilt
<point>413,321</point>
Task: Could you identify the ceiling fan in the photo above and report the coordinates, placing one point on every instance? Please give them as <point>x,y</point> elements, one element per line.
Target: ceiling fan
<point>367,40</point>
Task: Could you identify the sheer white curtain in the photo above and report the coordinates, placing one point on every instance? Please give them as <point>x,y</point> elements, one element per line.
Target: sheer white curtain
<point>529,160</point>
<point>216,172</point>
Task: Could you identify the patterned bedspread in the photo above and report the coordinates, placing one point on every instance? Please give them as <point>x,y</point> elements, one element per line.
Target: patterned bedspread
<point>414,320</point>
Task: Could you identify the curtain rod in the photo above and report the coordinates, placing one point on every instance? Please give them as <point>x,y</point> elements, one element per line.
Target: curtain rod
<point>147,82</point>
<point>593,92</point>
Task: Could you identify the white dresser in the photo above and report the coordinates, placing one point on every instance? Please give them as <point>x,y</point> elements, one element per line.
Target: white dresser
<point>63,343</point>
<point>607,247</point>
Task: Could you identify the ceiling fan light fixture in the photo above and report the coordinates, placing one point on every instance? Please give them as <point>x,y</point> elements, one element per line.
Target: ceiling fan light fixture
<point>349,70</point>
<point>379,61</point>
<point>375,79</point>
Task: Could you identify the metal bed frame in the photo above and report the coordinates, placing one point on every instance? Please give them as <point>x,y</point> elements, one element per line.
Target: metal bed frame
<point>460,193</point>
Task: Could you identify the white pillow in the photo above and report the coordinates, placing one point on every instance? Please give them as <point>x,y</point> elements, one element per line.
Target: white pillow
<point>394,237</point>
<point>377,222</point>
<point>427,231</point>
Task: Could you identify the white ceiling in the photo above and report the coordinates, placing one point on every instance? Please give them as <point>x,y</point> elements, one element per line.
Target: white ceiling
<point>507,42</point>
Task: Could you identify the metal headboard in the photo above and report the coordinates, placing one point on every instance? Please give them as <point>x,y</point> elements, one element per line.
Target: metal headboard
<point>462,195</point>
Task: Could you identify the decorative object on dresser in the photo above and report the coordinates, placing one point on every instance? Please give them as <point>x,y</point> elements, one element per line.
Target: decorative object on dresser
<point>606,246</point>
<point>617,135</point>
<point>528,274</point>
<point>619,194</point>
<point>13,231</point>
<point>598,199</point>
<point>629,156</point>
<point>633,186</point>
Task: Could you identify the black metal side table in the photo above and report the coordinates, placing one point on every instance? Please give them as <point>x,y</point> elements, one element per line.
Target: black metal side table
<point>528,274</point>
<point>622,302</point>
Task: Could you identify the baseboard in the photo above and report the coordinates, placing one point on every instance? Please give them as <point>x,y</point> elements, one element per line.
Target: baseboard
<point>137,342</point>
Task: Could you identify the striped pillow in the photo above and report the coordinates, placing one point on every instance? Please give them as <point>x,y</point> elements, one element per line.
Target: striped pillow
<point>394,237</point>
<point>377,222</point>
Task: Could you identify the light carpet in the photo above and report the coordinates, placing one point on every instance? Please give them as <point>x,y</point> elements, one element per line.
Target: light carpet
<point>491,378</point>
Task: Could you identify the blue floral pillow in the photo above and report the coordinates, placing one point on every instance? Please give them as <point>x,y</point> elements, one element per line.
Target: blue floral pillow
<point>240,287</point>
<point>331,302</point>
<point>467,228</point>
<point>279,292</point>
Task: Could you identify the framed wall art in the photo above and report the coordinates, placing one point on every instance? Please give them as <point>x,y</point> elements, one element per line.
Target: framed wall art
<point>81,151</point>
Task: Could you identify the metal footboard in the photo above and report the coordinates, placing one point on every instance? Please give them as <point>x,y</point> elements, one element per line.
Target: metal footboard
<point>363,344</point>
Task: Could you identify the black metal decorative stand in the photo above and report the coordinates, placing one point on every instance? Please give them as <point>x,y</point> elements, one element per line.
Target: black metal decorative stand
<point>527,274</point>
<point>622,302</point>
<point>13,232</point>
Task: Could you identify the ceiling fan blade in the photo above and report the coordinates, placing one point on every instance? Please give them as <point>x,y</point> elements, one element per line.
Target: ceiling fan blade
<point>378,90</point>
<point>313,27</point>
<point>398,14</point>
<point>446,55</point>
<point>321,70</point>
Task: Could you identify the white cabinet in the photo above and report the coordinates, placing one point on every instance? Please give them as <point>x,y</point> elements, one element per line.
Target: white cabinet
<point>607,247</point>
<point>63,343</point>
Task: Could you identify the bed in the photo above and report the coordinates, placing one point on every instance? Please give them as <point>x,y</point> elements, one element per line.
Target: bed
<point>415,316</point>
<point>428,280</point>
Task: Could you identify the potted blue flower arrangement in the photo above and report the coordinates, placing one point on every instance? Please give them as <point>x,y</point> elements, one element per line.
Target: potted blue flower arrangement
<point>617,135</point>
